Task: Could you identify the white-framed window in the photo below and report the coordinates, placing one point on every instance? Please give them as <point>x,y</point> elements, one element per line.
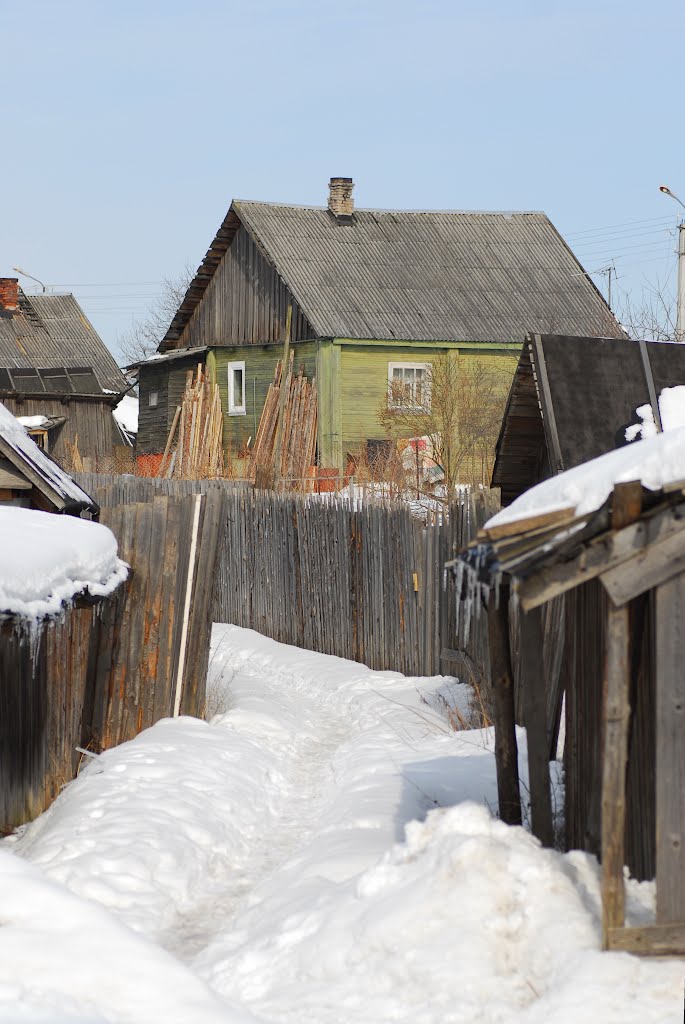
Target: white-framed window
<point>409,386</point>
<point>153,399</point>
<point>236,389</point>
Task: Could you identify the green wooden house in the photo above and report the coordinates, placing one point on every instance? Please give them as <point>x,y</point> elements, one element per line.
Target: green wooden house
<point>376,297</point>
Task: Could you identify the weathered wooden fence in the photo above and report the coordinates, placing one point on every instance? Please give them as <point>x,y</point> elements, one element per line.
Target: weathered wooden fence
<point>100,672</point>
<point>357,579</point>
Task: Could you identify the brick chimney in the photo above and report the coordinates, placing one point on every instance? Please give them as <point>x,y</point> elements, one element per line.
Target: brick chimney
<point>340,201</point>
<point>9,293</point>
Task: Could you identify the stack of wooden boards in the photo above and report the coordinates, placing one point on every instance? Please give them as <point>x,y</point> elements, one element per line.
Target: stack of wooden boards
<point>285,445</point>
<point>199,419</point>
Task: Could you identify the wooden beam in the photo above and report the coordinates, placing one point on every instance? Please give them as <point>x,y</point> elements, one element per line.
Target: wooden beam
<point>535,718</point>
<point>515,527</point>
<point>650,567</point>
<point>506,749</point>
<point>670,752</point>
<point>599,556</point>
<point>616,719</point>
<point>626,504</point>
<point>545,397</point>
<point>652,940</point>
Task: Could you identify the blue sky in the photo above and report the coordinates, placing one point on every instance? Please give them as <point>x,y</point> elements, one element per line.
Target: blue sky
<point>129,126</point>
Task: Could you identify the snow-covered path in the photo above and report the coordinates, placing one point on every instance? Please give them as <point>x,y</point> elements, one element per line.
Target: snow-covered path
<point>320,852</point>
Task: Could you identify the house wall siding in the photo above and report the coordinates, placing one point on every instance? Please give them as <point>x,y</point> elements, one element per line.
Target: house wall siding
<point>260,365</point>
<point>364,384</point>
<point>246,302</point>
<point>169,380</point>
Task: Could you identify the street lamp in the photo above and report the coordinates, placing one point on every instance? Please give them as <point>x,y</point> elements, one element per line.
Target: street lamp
<point>30,276</point>
<point>680,303</point>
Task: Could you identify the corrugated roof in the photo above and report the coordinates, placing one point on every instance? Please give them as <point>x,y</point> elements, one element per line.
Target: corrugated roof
<point>53,330</point>
<point>417,275</point>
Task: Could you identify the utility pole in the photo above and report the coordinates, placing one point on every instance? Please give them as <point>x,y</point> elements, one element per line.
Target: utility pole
<point>608,271</point>
<point>680,311</point>
<point>680,301</point>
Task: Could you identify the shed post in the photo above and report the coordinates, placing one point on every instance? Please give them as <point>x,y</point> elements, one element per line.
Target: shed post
<point>506,750</point>
<point>615,723</point>
<point>670,751</point>
<point>535,718</point>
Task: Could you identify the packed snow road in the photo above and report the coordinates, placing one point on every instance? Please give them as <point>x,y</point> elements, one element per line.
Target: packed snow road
<point>321,852</point>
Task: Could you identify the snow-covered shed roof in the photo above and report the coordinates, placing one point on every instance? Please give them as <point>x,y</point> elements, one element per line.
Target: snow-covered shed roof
<point>619,517</point>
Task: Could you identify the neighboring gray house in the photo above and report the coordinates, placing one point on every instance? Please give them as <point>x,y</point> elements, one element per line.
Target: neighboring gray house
<point>58,374</point>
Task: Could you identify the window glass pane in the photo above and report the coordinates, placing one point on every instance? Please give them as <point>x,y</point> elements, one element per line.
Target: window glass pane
<point>238,388</point>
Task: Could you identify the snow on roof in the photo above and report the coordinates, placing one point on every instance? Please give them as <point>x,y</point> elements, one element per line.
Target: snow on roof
<point>126,414</point>
<point>32,422</point>
<point>655,461</point>
<point>14,434</point>
<point>46,560</point>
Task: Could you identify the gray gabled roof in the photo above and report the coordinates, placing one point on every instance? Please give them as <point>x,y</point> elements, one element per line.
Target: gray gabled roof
<point>53,330</point>
<point>417,275</point>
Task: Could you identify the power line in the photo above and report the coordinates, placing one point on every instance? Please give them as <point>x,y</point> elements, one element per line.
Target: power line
<point>611,227</point>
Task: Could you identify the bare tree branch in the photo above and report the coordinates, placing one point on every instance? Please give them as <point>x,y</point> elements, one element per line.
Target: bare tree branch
<point>143,337</point>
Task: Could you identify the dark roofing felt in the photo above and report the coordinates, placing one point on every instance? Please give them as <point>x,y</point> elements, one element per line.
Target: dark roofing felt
<point>429,276</point>
<point>572,399</point>
<point>53,330</point>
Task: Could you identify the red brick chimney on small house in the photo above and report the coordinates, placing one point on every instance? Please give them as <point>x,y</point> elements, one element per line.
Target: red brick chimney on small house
<point>9,293</point>
<point>340,201</point>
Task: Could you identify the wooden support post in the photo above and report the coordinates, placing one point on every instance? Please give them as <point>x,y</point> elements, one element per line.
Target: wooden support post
<point>285,383</point>
<point>616,720</point>
<point>670,752</point>
<point>535,718</point>
<point>506,750</point>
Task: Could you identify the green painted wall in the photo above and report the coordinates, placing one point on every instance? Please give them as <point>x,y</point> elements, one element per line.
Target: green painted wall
<point>364,382</point>
<point>352,381</point>
<point>260,364</point>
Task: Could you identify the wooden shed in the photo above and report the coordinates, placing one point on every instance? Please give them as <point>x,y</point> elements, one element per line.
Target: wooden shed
<point>29,478</point>
<point>571,400</point>
<point>616,565</point>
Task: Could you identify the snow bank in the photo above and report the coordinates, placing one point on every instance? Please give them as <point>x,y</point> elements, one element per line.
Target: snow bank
<point>656,461</point>
<point>14,434</point>
<point>126,414</point>
<point>308,854</point>
<point>46,560</point>
<point>65,959</point>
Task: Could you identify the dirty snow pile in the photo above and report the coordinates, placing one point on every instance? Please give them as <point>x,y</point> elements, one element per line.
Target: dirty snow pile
<point>322,851</point>
<point>46,560</point>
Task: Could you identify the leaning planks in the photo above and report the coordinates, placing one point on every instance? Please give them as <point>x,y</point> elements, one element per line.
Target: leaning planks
<point>285,445</point>
<point>194,446</point>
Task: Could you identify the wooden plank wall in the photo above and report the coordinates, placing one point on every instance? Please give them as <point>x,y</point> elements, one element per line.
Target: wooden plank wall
<point>586,613</point>
<point>245,302</point>
<point>88,420</point>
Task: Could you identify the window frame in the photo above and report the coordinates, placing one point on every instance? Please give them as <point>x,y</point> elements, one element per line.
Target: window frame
<point>403,365</point>
<point>233,409</point>
<point>153,394</point>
